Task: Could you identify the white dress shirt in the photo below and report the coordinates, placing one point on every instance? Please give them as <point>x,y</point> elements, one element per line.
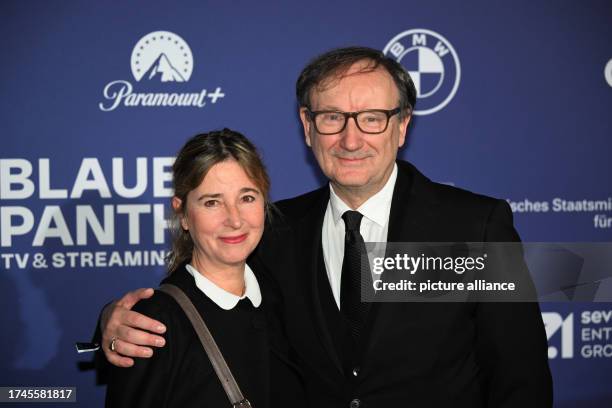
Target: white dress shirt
<point>222,298</point>
<point>374,227</point>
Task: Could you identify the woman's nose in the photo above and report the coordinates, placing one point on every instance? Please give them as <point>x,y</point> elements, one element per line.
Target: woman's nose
<point>234,219</point>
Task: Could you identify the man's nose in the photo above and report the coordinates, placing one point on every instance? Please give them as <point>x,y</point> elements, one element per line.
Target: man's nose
<point>351,137</point>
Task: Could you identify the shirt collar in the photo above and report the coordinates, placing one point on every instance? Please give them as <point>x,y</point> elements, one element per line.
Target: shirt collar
<point>376,208</point>
<point>222,298</point>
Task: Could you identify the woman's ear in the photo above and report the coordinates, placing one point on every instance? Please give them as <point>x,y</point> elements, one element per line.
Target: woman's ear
<point>177,207</point>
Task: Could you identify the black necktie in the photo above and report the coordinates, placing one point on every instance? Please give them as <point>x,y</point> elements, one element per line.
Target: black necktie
<point>352,269</point>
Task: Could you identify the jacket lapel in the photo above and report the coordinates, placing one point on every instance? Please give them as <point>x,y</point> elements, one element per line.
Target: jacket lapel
<point>312,269</point>
<point>411,219</point>
<point>412,208</point>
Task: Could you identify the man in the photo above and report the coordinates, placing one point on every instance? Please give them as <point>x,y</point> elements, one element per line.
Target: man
<point>355,107</point>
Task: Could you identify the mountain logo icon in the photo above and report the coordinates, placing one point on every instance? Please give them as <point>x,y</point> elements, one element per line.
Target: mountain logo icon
<point>163,68</point>
<point>162,56</point>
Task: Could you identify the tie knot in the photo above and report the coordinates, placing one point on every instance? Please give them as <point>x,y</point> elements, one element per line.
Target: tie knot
<point>352,220</point>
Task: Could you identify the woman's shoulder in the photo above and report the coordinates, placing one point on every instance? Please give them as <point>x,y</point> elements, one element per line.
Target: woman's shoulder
<point>161,303</point>
<point>157,306</point>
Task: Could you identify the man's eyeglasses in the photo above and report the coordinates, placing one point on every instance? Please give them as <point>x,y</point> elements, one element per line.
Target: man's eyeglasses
<point>371,121</point>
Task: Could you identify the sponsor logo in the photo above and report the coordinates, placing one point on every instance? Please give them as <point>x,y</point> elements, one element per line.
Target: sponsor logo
<point>554,323</point>
<point>162,56</point>
<point>608,72</point>
<point>433,65</point>
<point>160,60</point>
<point>593,334</point>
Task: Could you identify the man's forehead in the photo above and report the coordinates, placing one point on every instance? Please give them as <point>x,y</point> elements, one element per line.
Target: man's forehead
<point>363,74</point>
<point>359,68</point>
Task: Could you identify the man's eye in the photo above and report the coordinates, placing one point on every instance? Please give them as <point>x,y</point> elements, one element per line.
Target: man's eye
<point>248,198</point>
<point>332,117</point>
<point>373,119</point>
<point>211,203</point>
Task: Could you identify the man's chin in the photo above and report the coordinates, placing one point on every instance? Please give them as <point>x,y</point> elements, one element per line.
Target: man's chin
<point>351,180</point>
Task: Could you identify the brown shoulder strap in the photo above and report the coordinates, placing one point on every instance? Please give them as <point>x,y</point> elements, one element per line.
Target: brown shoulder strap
<point>208,342</point>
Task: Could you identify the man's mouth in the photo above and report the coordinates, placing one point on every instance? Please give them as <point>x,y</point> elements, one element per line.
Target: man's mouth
<point>351,160</point>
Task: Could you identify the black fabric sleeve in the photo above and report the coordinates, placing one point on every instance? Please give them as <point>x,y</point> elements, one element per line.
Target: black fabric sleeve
<point>148,382</point>
<point>101,364</point>
<point>511,340</point>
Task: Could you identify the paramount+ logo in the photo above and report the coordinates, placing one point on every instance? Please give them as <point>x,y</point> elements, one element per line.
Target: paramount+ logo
<point>161,63</point>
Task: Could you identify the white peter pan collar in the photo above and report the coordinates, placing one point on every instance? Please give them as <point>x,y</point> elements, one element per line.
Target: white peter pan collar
<point>222,298</point>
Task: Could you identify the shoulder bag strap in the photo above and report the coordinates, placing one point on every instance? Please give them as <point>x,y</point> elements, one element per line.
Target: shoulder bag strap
<point>208,342</point>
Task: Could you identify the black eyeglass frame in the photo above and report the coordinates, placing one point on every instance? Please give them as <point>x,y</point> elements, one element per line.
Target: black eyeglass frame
<point>389,112</point>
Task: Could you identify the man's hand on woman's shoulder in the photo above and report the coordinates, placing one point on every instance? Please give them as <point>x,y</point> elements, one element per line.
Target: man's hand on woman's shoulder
<point>130,331</point>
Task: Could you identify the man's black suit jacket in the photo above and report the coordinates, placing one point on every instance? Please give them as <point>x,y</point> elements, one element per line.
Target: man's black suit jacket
<point>415,354</point>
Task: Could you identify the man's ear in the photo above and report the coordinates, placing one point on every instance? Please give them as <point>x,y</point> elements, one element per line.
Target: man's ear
<point>306,124</point>
<point>403,129</point>
<point>176,206</point>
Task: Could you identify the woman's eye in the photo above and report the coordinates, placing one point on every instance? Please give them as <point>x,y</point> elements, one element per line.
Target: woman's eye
<point>211,203</point>
<point>248,199</point>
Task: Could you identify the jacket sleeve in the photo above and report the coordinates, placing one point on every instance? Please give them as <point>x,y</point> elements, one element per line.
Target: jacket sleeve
<point>511,340</point>
<point>101,365</point>
<point>148,381</point>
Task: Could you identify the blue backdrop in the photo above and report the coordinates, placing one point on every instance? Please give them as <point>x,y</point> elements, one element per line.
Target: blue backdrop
<point>515,101</point>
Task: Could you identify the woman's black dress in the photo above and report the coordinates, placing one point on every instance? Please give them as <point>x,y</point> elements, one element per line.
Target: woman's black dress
<point>180,374</point>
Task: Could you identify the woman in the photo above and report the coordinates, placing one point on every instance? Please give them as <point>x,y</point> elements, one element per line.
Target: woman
<point>220,200</point>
